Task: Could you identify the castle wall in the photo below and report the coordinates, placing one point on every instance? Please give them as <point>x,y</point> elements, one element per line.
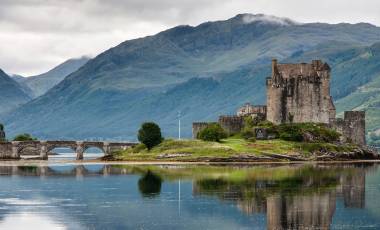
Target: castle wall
<point>275,99</point>
<point>231,124</point>
<point>352,127</point>
<point>6,150</point>
<point>299,93</point>
<point>198,127</point>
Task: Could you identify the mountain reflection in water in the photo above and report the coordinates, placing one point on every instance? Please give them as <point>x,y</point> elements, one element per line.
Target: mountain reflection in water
<point>192,197</point>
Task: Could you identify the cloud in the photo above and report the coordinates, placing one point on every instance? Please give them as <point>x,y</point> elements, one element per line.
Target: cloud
<point>36,35</point>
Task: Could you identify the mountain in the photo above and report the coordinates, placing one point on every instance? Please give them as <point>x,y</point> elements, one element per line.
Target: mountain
<point>17,78</point>
<point>11,93</point>
<point>202,71</point>
<point>40,84</point>
<point>21,81</point>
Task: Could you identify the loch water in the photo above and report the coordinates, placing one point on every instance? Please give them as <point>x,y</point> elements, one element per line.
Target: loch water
<point>98,196</point>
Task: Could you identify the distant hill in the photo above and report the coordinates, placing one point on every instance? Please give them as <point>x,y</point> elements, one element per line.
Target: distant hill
<point>202,71</point>
<point>40,84</point>
<point>12,94</point>
<point>21,81</point>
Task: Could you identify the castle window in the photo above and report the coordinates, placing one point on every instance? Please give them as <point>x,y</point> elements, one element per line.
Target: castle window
<point>290,87</point>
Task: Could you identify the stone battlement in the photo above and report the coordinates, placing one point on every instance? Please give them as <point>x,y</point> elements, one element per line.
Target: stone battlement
<point>231,124</point>
<point>352,127</point>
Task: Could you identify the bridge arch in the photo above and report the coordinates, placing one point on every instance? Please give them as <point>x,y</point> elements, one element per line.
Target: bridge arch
<point>13,149</point>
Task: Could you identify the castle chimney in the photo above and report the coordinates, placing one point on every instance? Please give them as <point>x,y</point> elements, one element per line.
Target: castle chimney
<point>274,66</point>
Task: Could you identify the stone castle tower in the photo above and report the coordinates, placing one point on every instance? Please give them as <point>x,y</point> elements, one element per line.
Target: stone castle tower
<point>299,93</point>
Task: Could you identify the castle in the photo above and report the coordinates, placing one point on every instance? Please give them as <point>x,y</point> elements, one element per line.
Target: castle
<point>298,93</point>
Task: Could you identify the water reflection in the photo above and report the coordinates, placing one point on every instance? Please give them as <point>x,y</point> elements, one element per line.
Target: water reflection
<point>150,184</point>
<point>222,197</point>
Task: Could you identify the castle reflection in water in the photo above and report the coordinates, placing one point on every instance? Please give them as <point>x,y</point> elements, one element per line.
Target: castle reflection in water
<point>302,202</point>
<point>302,197</point>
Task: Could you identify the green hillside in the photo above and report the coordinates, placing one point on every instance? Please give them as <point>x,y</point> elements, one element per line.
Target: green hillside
<point>202,71</point>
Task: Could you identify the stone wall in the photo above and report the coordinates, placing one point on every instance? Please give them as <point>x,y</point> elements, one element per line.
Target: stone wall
<point>352,127</point>
<point>198,127</point>
<point>6,150</point>
<point>249,109</point>
<point>231,124</point>
<point>299,93</point>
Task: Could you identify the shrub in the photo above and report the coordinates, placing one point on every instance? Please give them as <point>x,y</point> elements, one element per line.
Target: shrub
<point>290,132</point>
<point>138,148</point>
<point>248,122</point>
<point>301,132</point>
<point>213,132</point>
<point>24,137</point>
<point>150,134</point>
<point>252,139</point>
<point>246,134</point>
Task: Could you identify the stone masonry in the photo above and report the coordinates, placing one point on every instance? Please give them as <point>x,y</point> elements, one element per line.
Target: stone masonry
<point>352,127</point>
<point>299,93</point>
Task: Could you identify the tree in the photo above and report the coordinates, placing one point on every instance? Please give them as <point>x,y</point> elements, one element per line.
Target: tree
<point>24,137</point>
<point>1,127</point>
<point>213,132</point>
<point>150,134</point>
<point>150,184</point>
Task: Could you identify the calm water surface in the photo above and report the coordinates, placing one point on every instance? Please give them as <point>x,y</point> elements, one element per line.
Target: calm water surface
<point>190,197</point>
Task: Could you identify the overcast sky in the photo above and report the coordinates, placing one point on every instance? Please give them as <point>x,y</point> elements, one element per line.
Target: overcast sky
<point>36,35</point>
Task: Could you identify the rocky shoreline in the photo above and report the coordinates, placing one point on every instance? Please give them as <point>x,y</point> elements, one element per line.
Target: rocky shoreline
<point>359,153</point>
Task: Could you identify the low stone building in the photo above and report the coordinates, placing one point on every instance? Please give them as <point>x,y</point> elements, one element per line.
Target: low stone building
<point>252,110</point>
<point>231,124</point>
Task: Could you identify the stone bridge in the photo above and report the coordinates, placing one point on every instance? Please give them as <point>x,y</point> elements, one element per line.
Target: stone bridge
<point>13,150</point>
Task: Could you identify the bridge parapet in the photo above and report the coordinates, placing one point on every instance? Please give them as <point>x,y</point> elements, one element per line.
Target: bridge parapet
<point>13,150</point>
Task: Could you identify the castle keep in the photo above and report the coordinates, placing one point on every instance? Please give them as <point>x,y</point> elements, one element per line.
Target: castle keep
<point>297,93</point>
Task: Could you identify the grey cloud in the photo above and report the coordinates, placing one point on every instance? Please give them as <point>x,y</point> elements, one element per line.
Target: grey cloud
<point>51,31</point>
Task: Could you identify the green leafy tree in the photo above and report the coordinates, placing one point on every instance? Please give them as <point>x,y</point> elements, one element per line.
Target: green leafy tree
<point>213,132</point>
<point>150,184</point>
<point>1,127</point>
<point>24,137</point>
<point>150,134</point>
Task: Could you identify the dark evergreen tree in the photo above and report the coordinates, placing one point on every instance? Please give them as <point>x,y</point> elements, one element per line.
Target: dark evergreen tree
<point>150,134</point>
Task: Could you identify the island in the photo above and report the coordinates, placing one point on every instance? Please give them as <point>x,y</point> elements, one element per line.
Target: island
<point>298,123</point>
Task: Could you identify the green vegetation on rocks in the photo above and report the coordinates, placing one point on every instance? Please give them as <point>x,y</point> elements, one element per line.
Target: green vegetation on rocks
<point>24,137</point>
<point>195,150</point>
<point>213,132</point>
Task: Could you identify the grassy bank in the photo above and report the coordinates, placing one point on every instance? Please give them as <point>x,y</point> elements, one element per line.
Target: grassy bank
<point>231,147</point>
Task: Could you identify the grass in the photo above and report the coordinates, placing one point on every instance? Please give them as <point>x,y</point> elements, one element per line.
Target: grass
<point>196,149</point>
